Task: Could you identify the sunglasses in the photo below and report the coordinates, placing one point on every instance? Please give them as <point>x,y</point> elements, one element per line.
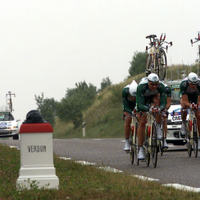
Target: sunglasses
<point>153,84</point>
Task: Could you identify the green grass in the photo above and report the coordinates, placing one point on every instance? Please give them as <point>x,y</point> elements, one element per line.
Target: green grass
<point>83,182</point>
<point>104,117</point>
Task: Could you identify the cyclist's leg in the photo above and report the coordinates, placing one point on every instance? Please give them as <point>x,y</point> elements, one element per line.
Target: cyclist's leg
<point>165,126</point>
<point>127,124</point>
<point>127,130</point>
<point>156,103</point>
<point>142,118</point>
<point>198,120</point>
<point>183,116</point>
<point>165,131</point>
<point>197,113</point>
<point>156,100</point>
<point>198,116</point>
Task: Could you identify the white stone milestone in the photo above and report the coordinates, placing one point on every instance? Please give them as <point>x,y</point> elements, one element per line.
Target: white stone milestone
<point>36,159</point>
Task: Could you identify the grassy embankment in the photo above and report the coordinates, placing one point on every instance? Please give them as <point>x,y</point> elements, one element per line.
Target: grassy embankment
<point>104,117</point>
<point>83,182</point>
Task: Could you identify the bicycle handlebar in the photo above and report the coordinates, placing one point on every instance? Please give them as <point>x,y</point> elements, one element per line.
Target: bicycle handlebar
<point>154,40</point>
<point>196,39</point>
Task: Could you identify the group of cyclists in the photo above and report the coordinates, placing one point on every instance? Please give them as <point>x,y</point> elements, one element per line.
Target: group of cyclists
<point>152,95</point>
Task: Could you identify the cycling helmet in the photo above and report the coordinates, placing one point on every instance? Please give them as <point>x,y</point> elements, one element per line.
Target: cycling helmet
<point>193,78</point>
<point>133,88</point>
<point>153,78</point>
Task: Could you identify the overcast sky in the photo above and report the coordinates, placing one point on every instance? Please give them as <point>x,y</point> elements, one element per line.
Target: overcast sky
<point>48,46</point>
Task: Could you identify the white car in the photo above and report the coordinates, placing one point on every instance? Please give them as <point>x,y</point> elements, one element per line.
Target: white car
<point>174,118</point>
<point>9,127</point>
<point>174,125</point>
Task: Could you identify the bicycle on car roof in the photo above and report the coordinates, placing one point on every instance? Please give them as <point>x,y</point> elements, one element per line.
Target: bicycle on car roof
<point>156,55</point>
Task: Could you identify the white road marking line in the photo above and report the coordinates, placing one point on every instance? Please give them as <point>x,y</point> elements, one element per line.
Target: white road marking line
<point>97,139</point>
<point>144,178</point>
<point>65,158</point>
<point>82,162</point>
<point>182,187</point>
<point>110,169</point>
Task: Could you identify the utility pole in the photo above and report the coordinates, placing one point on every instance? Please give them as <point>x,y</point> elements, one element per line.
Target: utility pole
<point>9,100</point>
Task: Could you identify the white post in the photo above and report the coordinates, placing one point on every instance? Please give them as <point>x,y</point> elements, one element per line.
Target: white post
<point>83,129</point>
<point>36,156</point>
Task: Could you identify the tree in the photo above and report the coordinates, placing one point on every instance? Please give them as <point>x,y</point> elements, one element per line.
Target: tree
<point>105,83</point>
<point>75,101</point>
<point>138,63</point>
<point>47,108</point>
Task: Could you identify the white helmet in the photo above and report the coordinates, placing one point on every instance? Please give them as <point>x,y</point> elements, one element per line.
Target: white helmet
<point>193,78</point>
<point>153,78</point>
<point>133,88</point>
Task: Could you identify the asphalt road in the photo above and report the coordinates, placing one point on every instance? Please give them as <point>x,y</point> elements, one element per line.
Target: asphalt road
<point>173,167</point>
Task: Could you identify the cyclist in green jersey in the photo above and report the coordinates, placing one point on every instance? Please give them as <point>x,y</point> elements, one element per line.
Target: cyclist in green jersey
<point>129,102</point>
<point>190,98</point>
<point>168,104</point>
<point>150,93</point>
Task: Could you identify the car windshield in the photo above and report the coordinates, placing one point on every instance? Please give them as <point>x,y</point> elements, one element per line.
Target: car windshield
<point>175,96</point>
<point>6,116</point>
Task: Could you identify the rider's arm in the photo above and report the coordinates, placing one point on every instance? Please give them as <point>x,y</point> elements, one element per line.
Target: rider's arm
<point>183,93</point>
<point>126,106</point>
<point>168,102</point>
<point>162,91</point>
<point>198,100</point>
<point>140,99</point>
<point>185,100</point>
<point>168,92</point>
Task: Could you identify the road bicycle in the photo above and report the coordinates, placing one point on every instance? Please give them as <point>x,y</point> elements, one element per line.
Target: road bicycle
<point>193,42</point>
<point>156,55</point>
<point>151,144</point>
<point>161,142</point>
<point>192,133</point>
<point>134,139</point>
<point>196,39</point>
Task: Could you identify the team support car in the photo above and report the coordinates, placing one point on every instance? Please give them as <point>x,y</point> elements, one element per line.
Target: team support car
<point>9,127</point>
<point>174,117</point>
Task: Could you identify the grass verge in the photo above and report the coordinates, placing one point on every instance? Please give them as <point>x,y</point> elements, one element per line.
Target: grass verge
<point>83,182</point>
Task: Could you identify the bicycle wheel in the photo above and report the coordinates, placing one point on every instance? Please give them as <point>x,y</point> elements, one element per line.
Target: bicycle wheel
<point>154,147</point>
<point>135,146</point>
<point>195,138</point>
<point>162,64</point>
<point>132,154</point>
<point>161,142</point>
<point>146,151</point>
<point>149,64</point>
<point>189,148</point>
<point>161,146</point>
<point>147,154</point>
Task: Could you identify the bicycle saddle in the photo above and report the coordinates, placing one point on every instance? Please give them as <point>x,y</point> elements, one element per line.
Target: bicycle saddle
<point>151,36</point>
